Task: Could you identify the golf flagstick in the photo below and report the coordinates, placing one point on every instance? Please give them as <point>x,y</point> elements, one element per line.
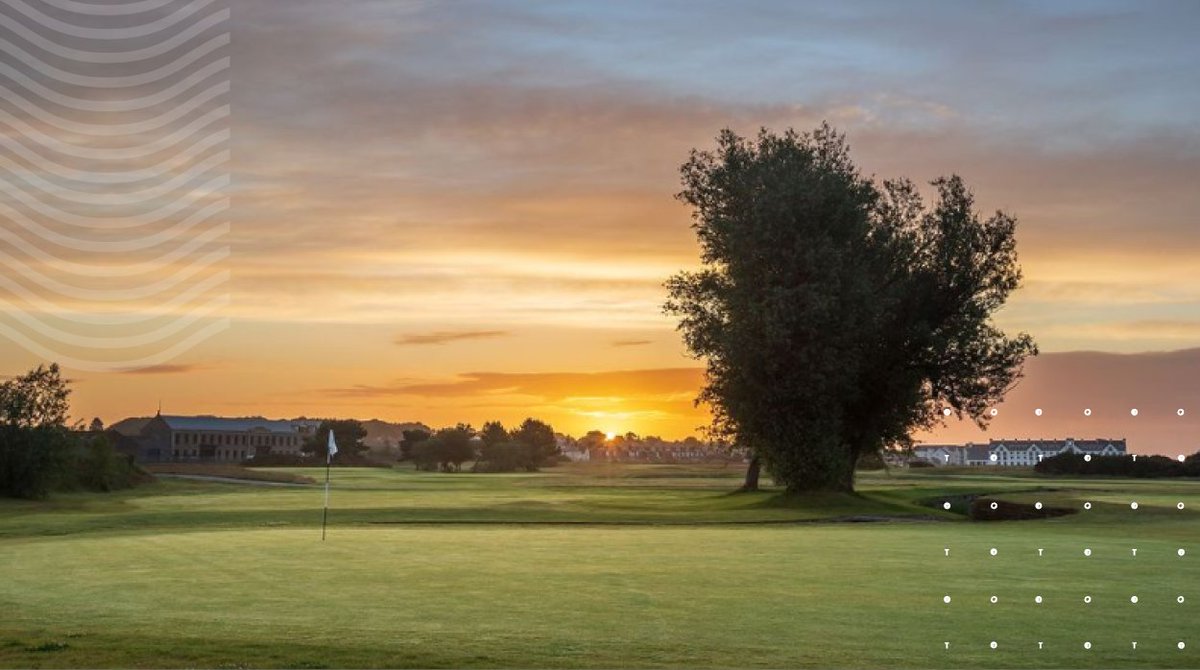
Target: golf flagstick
<point>329,452</point>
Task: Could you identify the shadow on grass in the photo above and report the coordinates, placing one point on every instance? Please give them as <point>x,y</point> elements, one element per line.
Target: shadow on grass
<point>842,506</point>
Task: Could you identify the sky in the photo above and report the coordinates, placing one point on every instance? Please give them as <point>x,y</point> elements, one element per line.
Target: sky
<point>463,211</point>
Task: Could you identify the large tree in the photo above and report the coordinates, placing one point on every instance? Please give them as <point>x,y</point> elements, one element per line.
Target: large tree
<point>410,439</point>
<point>539,436</point>
<point>838,316</point>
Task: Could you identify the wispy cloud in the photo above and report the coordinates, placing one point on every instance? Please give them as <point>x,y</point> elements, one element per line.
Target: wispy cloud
<point>1149,329</point>
<point>166,369</point>
<point>448,336</point>
<point>663,382</point>
<point>1062,384</point>
<point>631,343</point>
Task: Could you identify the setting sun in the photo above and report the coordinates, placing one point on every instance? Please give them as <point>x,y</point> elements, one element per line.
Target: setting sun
<point>608,435</point>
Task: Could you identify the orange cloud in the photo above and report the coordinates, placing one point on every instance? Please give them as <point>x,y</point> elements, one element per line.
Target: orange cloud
<point>667,382</point>
<point>165,369</point>
<point>446,336</point>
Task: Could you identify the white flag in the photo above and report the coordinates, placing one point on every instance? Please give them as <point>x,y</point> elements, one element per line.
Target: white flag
<point>332,446</point>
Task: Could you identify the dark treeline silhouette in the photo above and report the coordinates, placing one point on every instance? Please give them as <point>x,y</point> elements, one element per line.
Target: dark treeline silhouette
<point>1120,466</point>
<point>493,448</point>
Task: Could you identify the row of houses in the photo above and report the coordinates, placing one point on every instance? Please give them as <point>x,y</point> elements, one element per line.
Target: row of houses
<point>1015,452</point>
<point>630,448</point>
<point>660,453</point>
<point>210,439</point>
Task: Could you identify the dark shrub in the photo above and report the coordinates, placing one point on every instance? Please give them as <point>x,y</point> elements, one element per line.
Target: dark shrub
<point>508,457</point>
<point>97,466</point>
<point>33,461</point>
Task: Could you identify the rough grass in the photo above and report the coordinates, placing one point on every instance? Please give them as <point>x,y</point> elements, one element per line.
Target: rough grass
<point>596,567</point>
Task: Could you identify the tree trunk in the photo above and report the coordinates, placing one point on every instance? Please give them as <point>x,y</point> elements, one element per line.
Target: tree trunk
<point>751,483</point>
<point>847,479</point>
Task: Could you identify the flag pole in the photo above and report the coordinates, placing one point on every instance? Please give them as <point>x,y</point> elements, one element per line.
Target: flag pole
<point>325,514</point>
<point>330,450</point>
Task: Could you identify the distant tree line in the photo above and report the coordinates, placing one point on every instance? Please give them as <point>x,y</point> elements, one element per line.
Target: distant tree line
<point>493,448</point>
<point>634,448</point>
<point>1120,466</point>
<point>39,453</point>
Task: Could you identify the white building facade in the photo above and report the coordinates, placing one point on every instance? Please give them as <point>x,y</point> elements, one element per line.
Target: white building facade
<point>1015,452</point>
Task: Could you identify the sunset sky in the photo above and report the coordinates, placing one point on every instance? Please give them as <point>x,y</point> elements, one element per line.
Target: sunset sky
<point>449,211</point>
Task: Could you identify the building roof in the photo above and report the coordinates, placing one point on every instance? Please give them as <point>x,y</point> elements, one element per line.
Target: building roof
<point>1084,446</point>
<point>935,447</point>
<point>245,425</point>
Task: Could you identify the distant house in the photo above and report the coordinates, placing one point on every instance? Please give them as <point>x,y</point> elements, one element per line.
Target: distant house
<point>213,439</point>
<point>689,450</point>
<point>1015,452</point>
<point>940,454</point>
<point>572,449</point>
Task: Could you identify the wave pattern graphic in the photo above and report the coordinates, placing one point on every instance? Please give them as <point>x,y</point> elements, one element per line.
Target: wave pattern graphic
<point>114,178</point>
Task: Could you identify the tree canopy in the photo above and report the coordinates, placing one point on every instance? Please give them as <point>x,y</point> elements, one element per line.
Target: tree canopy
<point>36,399</point>
<point>539,436</point>
<point>836,315</point>
<point>493,432</point>
<point>347,433</point>
<point>410,439</point>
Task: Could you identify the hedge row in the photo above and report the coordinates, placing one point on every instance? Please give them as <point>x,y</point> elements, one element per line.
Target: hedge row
<point>1120,466</point>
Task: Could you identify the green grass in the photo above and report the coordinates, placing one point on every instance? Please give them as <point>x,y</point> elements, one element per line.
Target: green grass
<point>648,566</point>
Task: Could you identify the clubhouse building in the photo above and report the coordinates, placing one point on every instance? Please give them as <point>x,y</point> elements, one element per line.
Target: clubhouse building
<point>210,439</point>
<point>1015,452</point>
